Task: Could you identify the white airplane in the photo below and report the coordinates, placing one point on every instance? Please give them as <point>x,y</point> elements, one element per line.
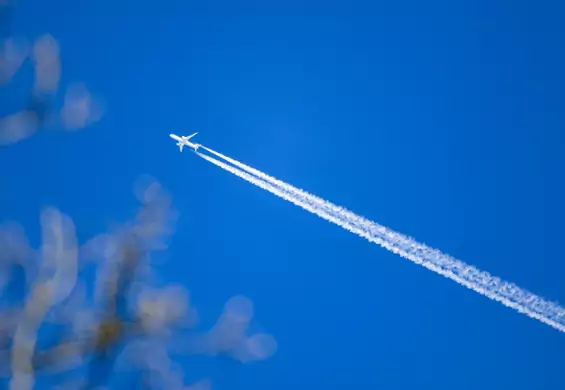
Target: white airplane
<point>183,141</point>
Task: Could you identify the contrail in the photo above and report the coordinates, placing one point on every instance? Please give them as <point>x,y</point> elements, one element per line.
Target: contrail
<point>328,206</point>
<point>479,281</point>
<point>279,183</point>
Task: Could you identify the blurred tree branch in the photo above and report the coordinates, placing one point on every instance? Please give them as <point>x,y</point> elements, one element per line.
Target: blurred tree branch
<point>58,322</point>
<point>128,323</point>
<point>79,108</point>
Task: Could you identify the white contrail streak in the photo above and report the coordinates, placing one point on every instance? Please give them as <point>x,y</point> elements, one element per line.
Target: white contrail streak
<point>279,183</point>
<point>328,206</point>
<point>479,281</point>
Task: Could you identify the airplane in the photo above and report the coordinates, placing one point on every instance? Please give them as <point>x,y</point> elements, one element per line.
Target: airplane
<point>183,141</point>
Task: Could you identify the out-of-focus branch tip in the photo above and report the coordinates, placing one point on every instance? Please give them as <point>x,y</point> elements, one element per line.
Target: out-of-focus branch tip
<point>127,322</point>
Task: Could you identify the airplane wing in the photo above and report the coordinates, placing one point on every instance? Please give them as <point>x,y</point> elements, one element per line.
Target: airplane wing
<point>190,136</point>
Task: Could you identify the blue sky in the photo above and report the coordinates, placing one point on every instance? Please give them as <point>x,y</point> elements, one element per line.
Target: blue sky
<point>439,119</point>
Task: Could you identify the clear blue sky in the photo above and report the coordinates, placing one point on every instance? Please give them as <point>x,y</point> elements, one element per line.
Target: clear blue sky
<point>440,119</point>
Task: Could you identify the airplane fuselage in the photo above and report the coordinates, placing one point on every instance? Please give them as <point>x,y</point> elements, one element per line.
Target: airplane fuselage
<point>183,141</point>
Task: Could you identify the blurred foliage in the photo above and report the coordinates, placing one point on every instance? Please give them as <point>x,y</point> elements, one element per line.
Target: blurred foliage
<point>79,108</point>
<point>126,322</point>
<point>74,315</point>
